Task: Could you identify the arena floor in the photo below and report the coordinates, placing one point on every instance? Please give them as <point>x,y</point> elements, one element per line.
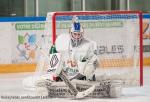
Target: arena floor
<point>11,90</point>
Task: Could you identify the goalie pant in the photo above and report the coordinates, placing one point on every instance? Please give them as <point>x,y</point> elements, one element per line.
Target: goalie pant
<point>104,88</point>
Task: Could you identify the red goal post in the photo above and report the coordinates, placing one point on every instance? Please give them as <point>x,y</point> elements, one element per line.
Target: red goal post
<point>129,20</point>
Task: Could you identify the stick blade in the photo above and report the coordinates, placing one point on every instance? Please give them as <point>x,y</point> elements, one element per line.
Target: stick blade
<point>85,93</point>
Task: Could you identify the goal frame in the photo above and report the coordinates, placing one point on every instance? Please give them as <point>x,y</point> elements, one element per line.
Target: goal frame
<point>139,13</point>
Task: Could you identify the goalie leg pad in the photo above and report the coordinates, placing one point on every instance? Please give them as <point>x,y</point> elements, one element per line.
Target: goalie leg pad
<point>115,88</point>
<point>42,87</point>
<point>103,88</point>
<point>42,91</point>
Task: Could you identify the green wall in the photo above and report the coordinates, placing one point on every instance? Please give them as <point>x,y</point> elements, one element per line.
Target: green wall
<point>11,8</point>
<point>95,5</point>
<point>30,7</point>
<point>27,7</point>
<point>53,5</point>
<point>143,5</point>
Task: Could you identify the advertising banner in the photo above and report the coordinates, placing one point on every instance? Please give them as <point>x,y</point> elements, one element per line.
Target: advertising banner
<point>26,35</point>
<point>18,38</point>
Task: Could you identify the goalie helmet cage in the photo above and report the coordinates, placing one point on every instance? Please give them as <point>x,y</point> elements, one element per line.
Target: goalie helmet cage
<point>103,21</point>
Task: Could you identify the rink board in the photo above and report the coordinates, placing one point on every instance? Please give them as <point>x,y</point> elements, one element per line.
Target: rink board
<point>17,67</point>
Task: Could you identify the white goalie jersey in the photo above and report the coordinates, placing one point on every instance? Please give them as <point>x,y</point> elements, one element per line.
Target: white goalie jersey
<point>79,59</point>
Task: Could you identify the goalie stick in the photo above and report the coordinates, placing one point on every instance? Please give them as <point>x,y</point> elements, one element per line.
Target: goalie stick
<point>60,72</point>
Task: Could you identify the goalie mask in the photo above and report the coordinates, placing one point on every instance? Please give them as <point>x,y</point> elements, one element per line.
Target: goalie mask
<point>76,33</point>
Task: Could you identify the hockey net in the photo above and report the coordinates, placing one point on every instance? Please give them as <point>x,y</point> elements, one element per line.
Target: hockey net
<point>117,36</point>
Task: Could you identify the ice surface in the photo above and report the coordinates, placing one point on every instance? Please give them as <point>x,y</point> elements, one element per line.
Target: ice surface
<point>11,86</point>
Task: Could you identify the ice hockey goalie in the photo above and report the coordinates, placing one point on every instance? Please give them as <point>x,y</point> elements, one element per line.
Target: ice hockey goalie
<point>76,63</point>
